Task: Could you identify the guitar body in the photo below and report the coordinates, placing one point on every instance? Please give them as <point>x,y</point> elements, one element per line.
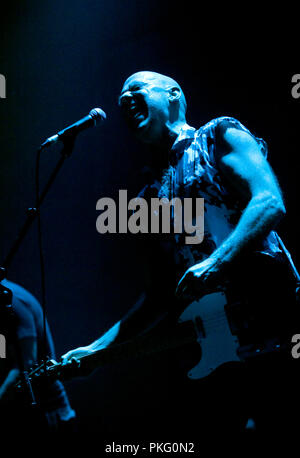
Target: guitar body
<point>211,331</point>
<point>218,344</point>
<point>258,319</point>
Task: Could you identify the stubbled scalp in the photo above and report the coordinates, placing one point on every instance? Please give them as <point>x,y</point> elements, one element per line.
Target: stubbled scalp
<point>147,76</point>
<point>163,80</point>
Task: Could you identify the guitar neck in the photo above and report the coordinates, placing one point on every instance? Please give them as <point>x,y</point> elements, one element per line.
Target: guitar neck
<point>141,346</point>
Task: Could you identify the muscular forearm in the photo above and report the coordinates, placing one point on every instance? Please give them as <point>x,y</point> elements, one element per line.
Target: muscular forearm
<point>110,337</point>
<point>260,216</point>
<point>137,320</point>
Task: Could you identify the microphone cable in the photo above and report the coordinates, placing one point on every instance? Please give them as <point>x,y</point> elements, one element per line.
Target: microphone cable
<point>41,254</point>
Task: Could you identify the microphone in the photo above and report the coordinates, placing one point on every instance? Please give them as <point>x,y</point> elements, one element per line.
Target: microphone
<point>92,119</point>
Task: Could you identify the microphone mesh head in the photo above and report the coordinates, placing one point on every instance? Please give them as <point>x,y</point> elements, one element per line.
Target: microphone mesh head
<point>97,114</point>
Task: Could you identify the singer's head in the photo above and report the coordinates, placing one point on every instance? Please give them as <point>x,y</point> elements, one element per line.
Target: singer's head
<point>153,105</point>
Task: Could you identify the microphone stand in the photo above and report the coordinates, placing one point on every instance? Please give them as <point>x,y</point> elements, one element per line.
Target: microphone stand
<point>32,212</point>
<point>6,307</point>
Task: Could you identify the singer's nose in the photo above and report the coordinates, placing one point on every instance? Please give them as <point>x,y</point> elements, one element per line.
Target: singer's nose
<point>125,99</point>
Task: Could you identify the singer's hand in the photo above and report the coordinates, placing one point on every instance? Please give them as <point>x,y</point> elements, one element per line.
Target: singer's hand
<point>199,280</point>
<point>74,362</point>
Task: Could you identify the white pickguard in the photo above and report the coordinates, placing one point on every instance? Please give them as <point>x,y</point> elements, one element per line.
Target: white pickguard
<point>219,345</point>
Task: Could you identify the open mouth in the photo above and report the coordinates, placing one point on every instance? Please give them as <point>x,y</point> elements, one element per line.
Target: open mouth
<point>136,112</point>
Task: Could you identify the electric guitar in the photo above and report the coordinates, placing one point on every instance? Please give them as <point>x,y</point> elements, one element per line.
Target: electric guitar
<point>206,322</point>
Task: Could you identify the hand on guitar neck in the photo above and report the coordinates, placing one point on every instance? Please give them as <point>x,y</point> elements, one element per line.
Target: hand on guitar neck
<point>77,362</point>
<point>82,357</point>
<point>66,369</point>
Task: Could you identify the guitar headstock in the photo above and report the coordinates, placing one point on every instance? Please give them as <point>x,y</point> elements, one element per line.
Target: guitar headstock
<point>50,370</point>
<point>46,369</point>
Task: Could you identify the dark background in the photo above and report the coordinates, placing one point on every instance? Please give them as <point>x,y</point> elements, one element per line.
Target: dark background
<point>61,59</point>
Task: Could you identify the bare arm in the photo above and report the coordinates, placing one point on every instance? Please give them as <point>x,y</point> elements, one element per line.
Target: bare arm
<point>247,171</point>
<point>138,319</point>
<point>241,161</point>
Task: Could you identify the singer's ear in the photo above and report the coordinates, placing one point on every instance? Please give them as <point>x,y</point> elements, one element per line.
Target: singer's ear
<point>174,94</point>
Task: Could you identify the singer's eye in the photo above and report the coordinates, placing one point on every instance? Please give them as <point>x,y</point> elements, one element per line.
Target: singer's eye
<point>132,88</point>
<point>135,88</point>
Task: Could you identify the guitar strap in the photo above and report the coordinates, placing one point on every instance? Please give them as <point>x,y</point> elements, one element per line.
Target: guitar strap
<point>292,266</point>
<point>288,255</point>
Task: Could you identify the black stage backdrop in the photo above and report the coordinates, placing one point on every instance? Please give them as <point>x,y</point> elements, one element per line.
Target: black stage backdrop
<point>61,59</point>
